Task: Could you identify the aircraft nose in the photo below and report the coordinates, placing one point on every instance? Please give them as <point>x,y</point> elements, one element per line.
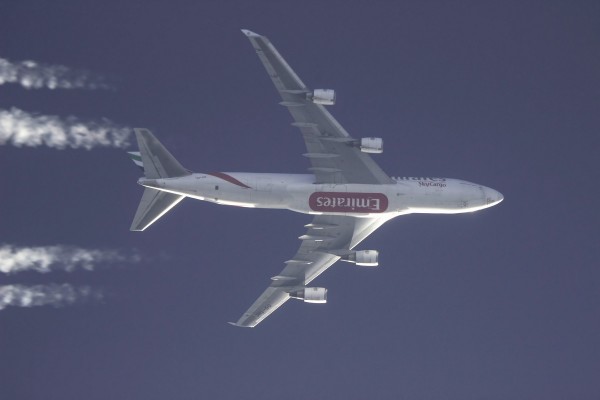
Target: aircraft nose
<point>493,197</point>
<point>499,197</point>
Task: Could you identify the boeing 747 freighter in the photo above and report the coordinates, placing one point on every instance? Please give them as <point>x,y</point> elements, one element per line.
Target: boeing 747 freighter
<point>347,193</point>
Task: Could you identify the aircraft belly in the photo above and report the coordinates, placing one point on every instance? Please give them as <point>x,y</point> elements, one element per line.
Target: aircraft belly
<point>280,191</point>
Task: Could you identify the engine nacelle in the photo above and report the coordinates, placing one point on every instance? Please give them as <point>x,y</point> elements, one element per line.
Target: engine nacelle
<point>372,145</point>
<point>364,258</point>
<point>367,258</point>
<point>323,96</point>
<point>311,295</point>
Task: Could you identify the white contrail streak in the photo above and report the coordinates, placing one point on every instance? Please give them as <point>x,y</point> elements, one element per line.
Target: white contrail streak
<point>33,75</point>
<point>53,294</point>
<point>45,259</point>
<point>21,128</point>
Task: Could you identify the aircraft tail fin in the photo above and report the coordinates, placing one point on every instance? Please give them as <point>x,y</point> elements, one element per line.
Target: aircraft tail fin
<point>155,159</point>
<point>156,162</point>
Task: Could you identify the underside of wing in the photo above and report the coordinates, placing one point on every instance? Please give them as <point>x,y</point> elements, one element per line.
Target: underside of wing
<point>335,157</point>
<point>327,239</point>
<point>269,301</point>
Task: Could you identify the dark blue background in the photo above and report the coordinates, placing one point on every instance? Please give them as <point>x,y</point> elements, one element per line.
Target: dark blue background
<point>499,304</point>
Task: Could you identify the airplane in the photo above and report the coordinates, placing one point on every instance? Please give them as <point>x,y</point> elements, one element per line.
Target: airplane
<point>347,193</point>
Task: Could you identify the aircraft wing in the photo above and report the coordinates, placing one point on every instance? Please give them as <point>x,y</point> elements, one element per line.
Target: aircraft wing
<point>327,239</point>
<point>332,152</point>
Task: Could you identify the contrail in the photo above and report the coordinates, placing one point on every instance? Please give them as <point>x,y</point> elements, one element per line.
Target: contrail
<point>53,294</point>
<point>33,75</point>
<point>45,259</point>
<point>20,128</point>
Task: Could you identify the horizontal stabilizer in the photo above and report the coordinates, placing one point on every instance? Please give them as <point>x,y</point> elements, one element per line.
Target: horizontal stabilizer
<point>154,204</point>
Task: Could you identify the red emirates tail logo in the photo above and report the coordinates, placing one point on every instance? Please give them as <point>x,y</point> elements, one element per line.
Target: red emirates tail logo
<point>348,202</point>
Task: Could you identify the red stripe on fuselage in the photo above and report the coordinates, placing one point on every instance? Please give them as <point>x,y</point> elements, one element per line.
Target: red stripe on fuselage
<point>228,178</point>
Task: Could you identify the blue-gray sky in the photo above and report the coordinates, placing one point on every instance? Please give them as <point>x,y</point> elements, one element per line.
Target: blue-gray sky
<point>503,303</point>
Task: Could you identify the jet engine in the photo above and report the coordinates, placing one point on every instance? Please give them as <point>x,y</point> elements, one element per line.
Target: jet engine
<point>372,145</point>
<point>364,258</point>
<point>311,295</point>
<point>323,96</point>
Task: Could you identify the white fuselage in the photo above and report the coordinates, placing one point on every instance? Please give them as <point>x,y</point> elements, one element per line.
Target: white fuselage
<point>298,192</point>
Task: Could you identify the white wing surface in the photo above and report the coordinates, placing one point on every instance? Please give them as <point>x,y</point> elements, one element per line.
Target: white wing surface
<point>334,156</point>
<point>327,238</point>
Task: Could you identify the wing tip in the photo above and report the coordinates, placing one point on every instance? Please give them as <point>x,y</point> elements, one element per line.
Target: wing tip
<point>239,325</point>
<point>249,33</point>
